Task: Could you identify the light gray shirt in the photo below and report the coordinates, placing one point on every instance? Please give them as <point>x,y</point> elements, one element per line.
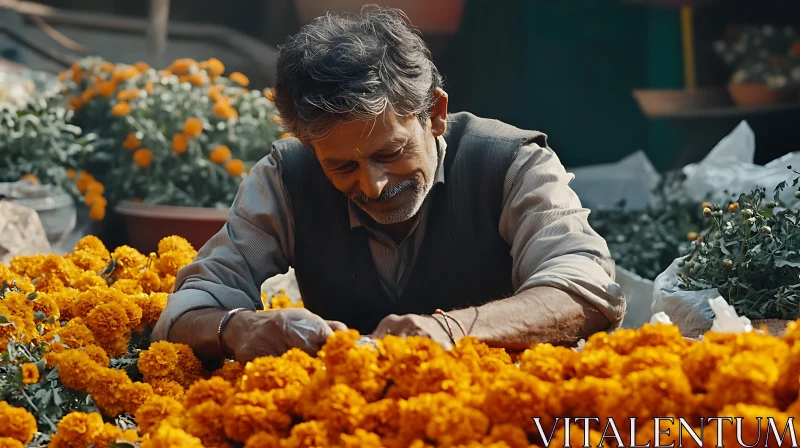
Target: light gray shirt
<point>542,220</point>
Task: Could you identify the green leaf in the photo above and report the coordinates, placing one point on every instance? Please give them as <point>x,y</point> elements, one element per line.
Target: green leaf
<point>781,263</point>
<point>57,398</point>
<point>39,315</point>
<point>3,319</point>
<point>32,296</point>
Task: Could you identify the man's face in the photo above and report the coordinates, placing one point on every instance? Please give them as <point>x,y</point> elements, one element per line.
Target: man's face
<point>385,166</point>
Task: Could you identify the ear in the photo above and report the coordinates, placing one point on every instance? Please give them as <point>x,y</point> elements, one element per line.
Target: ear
<point>439,112</point>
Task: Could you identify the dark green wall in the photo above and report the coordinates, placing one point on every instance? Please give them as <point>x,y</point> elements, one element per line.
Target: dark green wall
<point>567,68</point>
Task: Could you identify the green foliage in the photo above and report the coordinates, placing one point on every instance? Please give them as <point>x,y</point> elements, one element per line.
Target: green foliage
<point>751,254</point>
<point>645,242</point>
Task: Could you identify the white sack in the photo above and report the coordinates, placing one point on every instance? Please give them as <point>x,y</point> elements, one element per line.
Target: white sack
<point>638,297</point>
<point>631,179</point>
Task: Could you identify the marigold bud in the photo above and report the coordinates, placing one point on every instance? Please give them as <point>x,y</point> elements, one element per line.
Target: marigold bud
<point>766,229</point>
<point>706,212</point>
<point>733,207</point>
<point>747,213</point>
<point>771,204</point>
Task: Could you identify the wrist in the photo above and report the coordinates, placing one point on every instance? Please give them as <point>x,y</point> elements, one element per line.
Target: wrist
<point>228,330</point>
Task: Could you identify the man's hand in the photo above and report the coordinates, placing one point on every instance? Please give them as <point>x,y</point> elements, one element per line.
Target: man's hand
<point>249,335</point>
<point>417,325</point>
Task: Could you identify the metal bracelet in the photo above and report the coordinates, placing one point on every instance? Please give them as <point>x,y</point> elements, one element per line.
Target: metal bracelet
<point>222,323</point>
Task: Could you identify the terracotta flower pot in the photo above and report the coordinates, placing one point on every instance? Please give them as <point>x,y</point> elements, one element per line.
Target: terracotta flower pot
<point>754,95</point>
<point>148,224</point>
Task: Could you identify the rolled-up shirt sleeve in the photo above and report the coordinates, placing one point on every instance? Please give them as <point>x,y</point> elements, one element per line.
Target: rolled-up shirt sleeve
<point>551,241</point>
<point>255,243</point>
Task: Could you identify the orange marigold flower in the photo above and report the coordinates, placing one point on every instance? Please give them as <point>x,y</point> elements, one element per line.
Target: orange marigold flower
<point>159,360</point>
<point>269,373</point>
<point>167,388</point>
<point>142,66</point>
<point>77,429</point>
<point>71,173</point>
<point>97,212</point>
<point>8,442</point>
<point>16,423</point>
<point>107,88</point>
<point>143,157</point>
<point>97,354</point>
<point>206,422</point>
<point>192,127</point>
<point>235,167</point>
<point>196,79</point>
<point>155,410</point>
<point>83,181</point>
<point>168,435</point>
<point>109,322</point>
<point>121,109</point>
<point>215,93</point>
<point>249,413</point>
<point>231,371</point>
<point>182,66</point>
<point>220,154</point>
<point>136,394</point>
<point>126,73</point>
<point>179,143</point>
<point>263,440</point>
<point>269,93</point>
<point>149,86</point>
<point>311,433</point>
<point>107,66</point>
<point>224,110</point>
<point>213,389</point>
<point>75,103</point>
<point>30,373</point>
<point>31,178</point>
<point>88,94</point>
<point>239,78</point>
<point>215,67</point>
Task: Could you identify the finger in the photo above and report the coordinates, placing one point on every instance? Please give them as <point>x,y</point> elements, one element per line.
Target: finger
<point>309,334</point>
<point>336,325</point>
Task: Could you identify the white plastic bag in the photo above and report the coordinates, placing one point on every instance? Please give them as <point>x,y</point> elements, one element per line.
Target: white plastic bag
<point>689,310</point>
<point>638,297</point>
<point>282,282</point>
<point>729,166</point>
<point>631,179</point>
<point>21,232</point>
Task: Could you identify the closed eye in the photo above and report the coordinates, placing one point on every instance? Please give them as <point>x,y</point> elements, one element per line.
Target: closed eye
<point>391,157</point>
<point>346,168</point>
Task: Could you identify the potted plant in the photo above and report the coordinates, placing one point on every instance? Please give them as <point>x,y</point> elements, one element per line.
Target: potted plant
<point>766,64</point>
<point>173,144</point>
<point>40,145</point>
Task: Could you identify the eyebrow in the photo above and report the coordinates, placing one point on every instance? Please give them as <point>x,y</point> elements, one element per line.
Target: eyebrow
<point>390,144</point>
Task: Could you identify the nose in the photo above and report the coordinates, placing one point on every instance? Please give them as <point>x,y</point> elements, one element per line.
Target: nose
<point>373,179</point>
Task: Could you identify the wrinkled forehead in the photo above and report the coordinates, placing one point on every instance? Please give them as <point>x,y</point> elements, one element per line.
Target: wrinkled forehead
<point>363,137</point>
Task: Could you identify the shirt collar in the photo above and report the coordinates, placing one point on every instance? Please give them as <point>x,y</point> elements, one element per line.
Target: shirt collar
<point>441,147</point>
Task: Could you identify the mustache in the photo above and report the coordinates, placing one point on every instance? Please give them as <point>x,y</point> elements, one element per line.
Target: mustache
<point>386,194</point>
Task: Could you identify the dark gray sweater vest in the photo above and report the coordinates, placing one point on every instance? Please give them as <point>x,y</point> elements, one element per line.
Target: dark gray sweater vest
<point>463,260</point>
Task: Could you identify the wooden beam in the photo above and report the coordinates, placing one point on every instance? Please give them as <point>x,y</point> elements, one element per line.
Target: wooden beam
<point>687,34</point>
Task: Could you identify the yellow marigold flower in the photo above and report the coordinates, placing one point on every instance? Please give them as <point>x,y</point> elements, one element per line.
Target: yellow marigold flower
<point>269,93</point>
<point>167,388</point>
<point>600,363</point>
<point>129,261</point>
<point>8,442</point>
<point>182,66</point>
<point>107,390</point>
<point>77,429</point>
<point>235,167</point>
<point>196,79</point>
<point>340,408</point>
<point>30,373</point>
<point>263,440</point>
<point>167,283</point>
<point>213,389</point>
<point>16,423</point>
<point>109,322</point>
<point>174,243</point>
<point>457,424</point>
<point>513,436</point>
<point>215,93</point>
<point>155,410</point>
<point>231,371</point>
<point>417,412</point>
<point>125,73</point>
<point>514,396</point>
<point>206,422</point>
<point>108,434</point>
<point>131,142</point>
<point>220,154</point>
<point>149,86</point>
<point>135,395</point>
<point>152,305</point>
<point>307,434</point>
<point>97,354</point>
<point>170,263</point>
<point>189,367</point>
<point>143,157</point>
<point>142,66</point>
<point>625,341</point>
<point>127,286</point>
<point>239,78</point>
<point>46,304</point>
<point>654,392</point>
<point>150,282</point>
<point>88,279</point>
<point>747,378</point>
<point>249,413</point>
<point>215,67</point>
<point>92,244</point>
<point>121,109</point>
<point>192,127</point>
<point>382,417</point>
<point>304,360</point>
<point>269,373</point>
<point>168,435</point>
<point>647,357</point>
<point>159,361</point>
<point>361,439</point>
<point>75,334</point>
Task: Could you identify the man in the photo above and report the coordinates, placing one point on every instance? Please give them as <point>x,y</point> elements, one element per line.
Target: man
<point>389,208</point>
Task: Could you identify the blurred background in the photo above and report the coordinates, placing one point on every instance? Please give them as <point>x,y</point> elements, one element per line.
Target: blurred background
<point>567,68</point>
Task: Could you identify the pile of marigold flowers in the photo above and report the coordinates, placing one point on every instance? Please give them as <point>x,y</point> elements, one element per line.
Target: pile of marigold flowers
<point>76,328</point>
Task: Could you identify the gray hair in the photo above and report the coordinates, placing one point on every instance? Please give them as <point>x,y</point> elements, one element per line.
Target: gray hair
<point>354,67</point>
